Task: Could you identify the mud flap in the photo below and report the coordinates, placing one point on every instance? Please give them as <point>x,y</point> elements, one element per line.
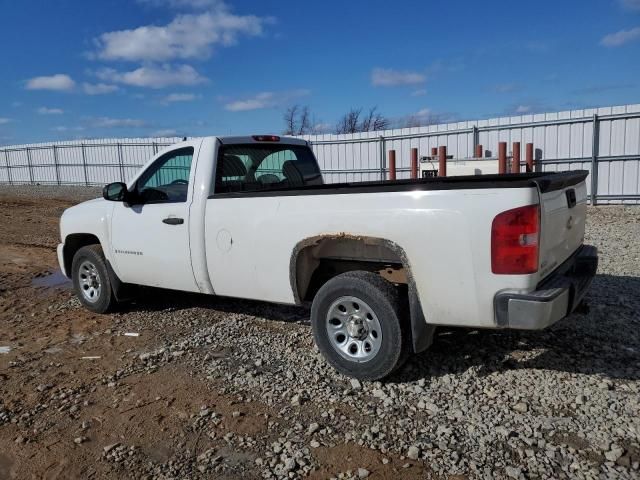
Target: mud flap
<point>421,331</point>
<point>122,291</point>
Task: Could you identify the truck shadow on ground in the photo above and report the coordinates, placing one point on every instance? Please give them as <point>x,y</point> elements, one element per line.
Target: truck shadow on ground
<point>604,341</point>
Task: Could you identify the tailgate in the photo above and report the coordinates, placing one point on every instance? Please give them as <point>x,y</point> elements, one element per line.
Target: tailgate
<point>563,211</point>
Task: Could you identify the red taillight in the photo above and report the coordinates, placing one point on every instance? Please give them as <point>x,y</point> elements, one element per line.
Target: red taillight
<point>514,241</point>
<point>266,138</point>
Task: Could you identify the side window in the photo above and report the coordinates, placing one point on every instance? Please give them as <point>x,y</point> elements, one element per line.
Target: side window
<point>257,167</point>
<point>167,180</point>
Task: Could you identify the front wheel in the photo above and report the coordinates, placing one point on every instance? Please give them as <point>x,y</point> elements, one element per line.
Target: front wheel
<point>91,279</point>
<point>357,324</point>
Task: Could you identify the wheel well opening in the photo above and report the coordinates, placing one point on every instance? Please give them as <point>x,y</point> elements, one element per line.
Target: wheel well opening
<point>72,244</point>
<point>327,257</point>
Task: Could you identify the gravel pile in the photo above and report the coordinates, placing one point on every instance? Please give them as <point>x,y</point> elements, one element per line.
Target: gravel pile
<point>562,403</point>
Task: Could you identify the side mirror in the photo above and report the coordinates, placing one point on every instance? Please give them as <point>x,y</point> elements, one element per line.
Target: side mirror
<point>115,192</point>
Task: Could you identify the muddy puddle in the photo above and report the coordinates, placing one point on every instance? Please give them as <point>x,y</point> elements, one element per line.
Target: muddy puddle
<point>52,280</point>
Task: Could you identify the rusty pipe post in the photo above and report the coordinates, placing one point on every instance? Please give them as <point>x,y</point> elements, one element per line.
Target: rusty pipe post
<point>392,164</point>
<point>414,163</point>
<point>442,161</point>
<point>502,157</point>
<point>478,151</point>
<point>529,157</point>
<point>515,160</point>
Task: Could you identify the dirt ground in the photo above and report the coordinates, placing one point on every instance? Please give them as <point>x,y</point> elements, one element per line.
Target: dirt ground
<point>61,414</point>
<point>208,387</point>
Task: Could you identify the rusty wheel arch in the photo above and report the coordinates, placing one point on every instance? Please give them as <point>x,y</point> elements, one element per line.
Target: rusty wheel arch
<point>421,331</point>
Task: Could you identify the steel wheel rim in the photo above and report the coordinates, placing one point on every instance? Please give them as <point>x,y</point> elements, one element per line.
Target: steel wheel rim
<point>353,329</point>
<point>89,281</point>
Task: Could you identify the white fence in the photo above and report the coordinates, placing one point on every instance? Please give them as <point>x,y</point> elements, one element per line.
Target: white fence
<point>604,140</point>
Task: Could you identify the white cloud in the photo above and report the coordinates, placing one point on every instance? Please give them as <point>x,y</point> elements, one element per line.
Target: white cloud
<point>523,109</point>
<point>169,132</point>
<point>419,92</point>
<point>179,97</point>
<point>264,100</point>
<point>4,121</point>
<point>319,128</point>
<point>186,36</point>
<point>63,129</point>
<point>50,111</point>
<point>153,77</point>
<point>107,122</point>
<point>631,4</point>
<point>59,82</point>
<point>387,77</point>
<point>98,88</point>
<point>261,100</point>
<point>620,38</point>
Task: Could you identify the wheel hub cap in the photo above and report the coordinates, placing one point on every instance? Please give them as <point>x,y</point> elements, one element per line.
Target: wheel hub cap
<point>356,328</point>
<point>353,329</point>
<point>89,281</point>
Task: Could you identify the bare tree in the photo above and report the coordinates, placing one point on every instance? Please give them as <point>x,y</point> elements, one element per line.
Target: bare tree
<point>420,120</point>
<point>351,121</point>
<point>304,121</point>
<point>374,121</point>
<point>297,120</point>
<point>290,120</point>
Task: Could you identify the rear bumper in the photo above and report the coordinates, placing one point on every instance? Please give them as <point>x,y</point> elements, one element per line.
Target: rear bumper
<point>554,298</point>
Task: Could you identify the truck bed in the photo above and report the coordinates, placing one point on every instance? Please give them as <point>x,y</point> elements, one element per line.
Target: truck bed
<point>544,181</point>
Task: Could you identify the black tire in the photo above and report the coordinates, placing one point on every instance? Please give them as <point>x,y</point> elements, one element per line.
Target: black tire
<point>104,299</point>
<point>384,300</point>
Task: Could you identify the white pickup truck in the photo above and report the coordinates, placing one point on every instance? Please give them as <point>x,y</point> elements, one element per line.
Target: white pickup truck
<point>382,263</point>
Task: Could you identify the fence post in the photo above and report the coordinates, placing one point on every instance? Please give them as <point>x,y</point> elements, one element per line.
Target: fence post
<point>6,159</point>
<point>383,159</point>
<point>476,138</point>
<point>55,164</point>
<point>502,157</point>
<point>414,163</point>
<point>478,152</point>
<point>529,157</point>
<point>515,158</point>
<point>392,164</point>
<point>155,147</point>
<point>595,146</point>
<point>29,166</point>
<point>442,161</point>
<point>120,162</point>
<point>84,165</point>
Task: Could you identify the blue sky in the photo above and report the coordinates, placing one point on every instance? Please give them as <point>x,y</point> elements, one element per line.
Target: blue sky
<point>78,69</point>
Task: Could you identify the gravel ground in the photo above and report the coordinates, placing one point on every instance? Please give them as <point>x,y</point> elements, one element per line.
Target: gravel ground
<point>562,403</point>
<point>70,193</point>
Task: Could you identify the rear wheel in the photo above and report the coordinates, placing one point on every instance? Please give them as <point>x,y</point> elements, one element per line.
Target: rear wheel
<point>91,279</point>
<point>357,321</point>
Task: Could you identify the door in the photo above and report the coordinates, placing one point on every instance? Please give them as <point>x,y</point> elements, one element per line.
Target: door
<point>150,235</point>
